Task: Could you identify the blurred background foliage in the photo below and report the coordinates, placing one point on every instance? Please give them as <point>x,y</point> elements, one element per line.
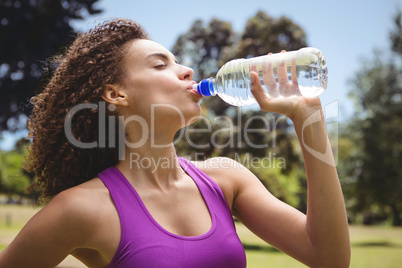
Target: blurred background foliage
<point>31,31</point>
<point>368,146</point>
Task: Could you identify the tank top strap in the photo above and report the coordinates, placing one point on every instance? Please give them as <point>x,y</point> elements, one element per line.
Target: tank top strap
<point>209,188</point>
<point>118,186</point>
<point>122,198</point>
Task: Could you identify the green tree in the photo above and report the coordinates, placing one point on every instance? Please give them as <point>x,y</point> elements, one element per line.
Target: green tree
<point>13,181</point>
<point>202,47</point>
<point>31,32</point>
<point>265,34</point>
<point>374,166</point>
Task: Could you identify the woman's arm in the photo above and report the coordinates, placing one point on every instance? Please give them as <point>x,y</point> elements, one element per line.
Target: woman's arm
<point>320,238</point>
<point>53,233</point>
<point>326,222</point>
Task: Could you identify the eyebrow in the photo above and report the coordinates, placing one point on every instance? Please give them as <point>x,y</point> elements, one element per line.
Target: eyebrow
<point>160,55</point>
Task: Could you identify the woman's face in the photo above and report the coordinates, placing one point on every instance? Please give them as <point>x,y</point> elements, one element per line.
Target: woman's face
<point>157,87</point>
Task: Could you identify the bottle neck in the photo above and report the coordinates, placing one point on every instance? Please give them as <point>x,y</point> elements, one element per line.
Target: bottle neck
<point>206,87</point>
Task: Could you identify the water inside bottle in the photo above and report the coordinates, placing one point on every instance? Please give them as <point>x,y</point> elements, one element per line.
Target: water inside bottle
<point>234,81</point>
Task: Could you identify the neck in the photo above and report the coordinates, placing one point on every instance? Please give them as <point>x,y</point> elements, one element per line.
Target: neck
<point>153,164</point>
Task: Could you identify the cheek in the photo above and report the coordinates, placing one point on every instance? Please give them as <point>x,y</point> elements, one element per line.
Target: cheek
<point>145,97</point>
<point>156,84</point>
<point>147,89</point>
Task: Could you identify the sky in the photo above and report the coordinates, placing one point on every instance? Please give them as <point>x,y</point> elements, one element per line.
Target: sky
<point>347,32</point>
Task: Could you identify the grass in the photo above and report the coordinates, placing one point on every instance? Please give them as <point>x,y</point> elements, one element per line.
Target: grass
<point>376,246</point>
<point>372,247</point>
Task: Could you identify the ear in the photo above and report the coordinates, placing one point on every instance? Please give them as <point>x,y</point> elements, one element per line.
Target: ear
<point>114,94</point>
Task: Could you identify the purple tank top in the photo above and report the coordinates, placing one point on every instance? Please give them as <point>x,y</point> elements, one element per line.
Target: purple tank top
<point>146,244</point>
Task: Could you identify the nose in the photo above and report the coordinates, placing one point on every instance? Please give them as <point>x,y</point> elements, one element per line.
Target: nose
<point>186,73</point>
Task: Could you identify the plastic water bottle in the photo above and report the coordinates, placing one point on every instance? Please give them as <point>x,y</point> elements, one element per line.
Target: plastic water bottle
<point>232,82</point>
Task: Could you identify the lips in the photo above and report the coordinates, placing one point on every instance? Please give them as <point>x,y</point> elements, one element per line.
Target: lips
<point>194,90</point>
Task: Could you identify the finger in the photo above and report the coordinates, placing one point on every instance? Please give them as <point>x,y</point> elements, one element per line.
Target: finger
<point>295,85</point>
<point>257,90</point>
<point>269,79</point>
<point>282,73</point>
<point>293,72</point>
<point>253,67</point>
<point>283,79</point>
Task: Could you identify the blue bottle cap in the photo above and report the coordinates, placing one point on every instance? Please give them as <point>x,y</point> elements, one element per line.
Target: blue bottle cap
<point>205,87</point>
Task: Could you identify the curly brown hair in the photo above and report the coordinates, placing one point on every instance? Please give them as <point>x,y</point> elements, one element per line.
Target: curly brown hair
<point>92,61</point>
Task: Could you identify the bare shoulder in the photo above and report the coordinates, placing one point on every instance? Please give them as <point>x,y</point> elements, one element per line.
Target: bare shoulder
<point>87,194</point>
<point>69,222</point>
<point>79,210</point>
<point>229,174</point>
<point>82,202</point>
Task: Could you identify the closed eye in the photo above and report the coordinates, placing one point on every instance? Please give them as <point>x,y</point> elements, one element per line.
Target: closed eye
<point>163,60</point>
<point>160,66</point>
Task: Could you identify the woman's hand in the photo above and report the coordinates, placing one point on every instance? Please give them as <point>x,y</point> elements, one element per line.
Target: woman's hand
<point>292,104</point>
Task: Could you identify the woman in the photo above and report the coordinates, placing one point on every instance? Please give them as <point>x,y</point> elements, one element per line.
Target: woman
<point>108,211</point>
